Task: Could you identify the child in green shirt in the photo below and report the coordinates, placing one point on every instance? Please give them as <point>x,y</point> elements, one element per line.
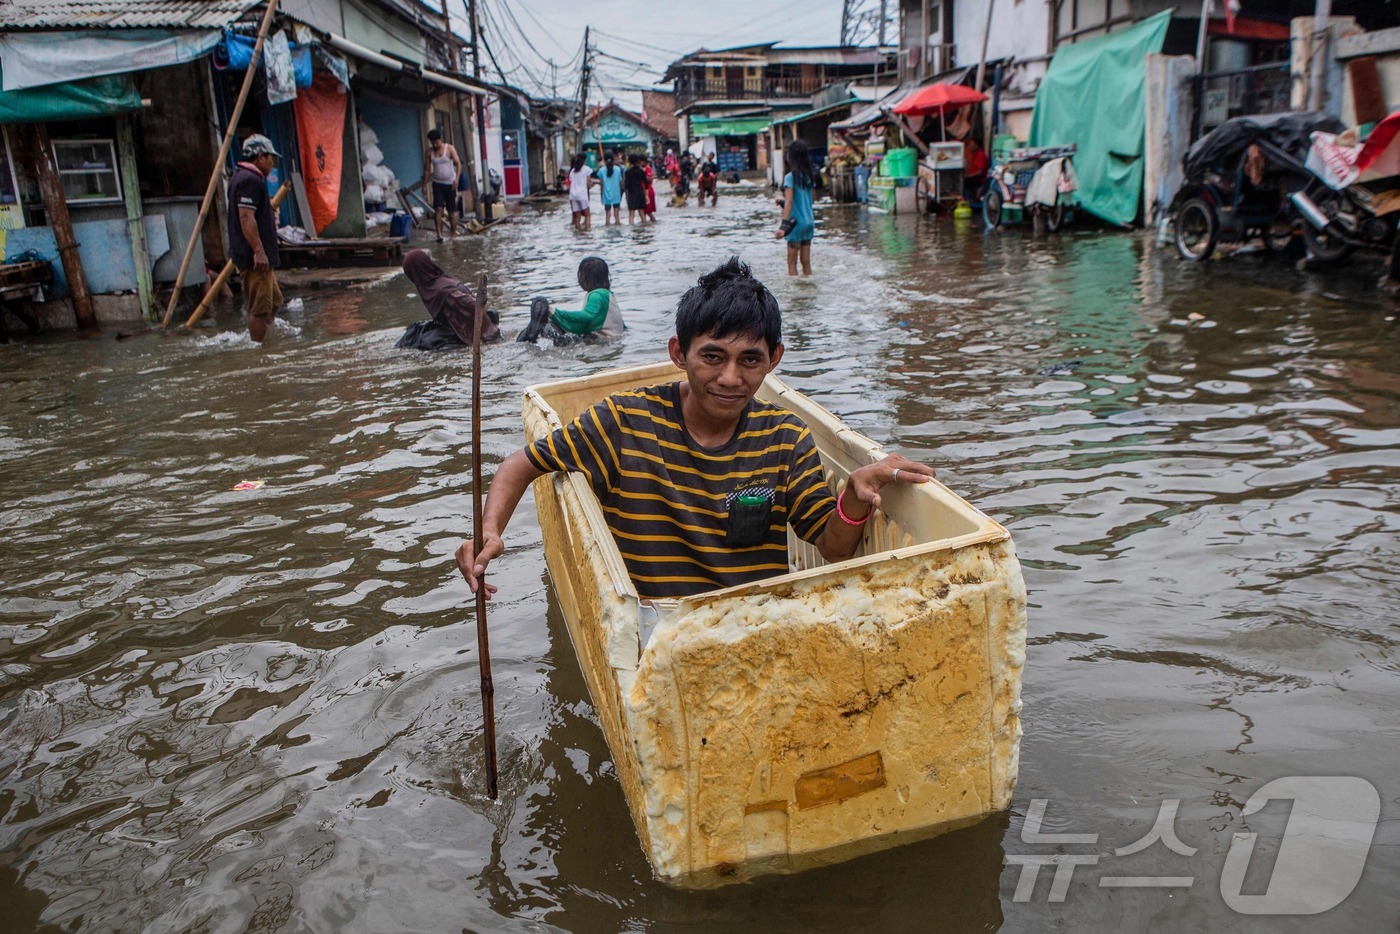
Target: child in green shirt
<point>599,316</point>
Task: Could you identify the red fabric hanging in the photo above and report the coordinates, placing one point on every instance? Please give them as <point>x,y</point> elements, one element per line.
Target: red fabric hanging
<point>320,111</point>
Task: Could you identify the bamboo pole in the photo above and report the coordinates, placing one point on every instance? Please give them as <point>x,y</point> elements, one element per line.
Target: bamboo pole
<point>483,648</point>
<point>56,207</point>
<point>227,272</point>
<point>217,175</point>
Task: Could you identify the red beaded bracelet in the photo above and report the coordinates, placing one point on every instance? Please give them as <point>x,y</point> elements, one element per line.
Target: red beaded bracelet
<point>847,519</point>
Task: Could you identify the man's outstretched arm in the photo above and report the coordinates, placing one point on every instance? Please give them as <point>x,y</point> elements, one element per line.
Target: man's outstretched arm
<point>512,478</point>
<point>861,497</point>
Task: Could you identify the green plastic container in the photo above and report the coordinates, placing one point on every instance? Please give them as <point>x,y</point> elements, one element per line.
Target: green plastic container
<point>899,163</point>
<point>1003,144</point>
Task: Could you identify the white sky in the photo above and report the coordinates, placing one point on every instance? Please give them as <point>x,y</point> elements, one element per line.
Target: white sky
<point>650,32</point>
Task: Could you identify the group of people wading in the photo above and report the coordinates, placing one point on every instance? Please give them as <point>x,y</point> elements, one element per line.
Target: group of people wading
<point>253,244</point>
<point>797,226</point>
<point>635,183</point>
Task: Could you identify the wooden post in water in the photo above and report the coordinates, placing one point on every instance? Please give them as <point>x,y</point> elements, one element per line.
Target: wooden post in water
<point>56,207</point>
<point>218,172</point>
<point>136,228</point>
<point>483,647</point>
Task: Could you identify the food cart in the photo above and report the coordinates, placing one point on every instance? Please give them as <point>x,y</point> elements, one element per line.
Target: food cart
<point>941,175</point>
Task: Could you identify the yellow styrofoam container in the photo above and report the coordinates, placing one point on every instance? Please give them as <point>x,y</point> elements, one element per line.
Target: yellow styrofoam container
<point>834,710</point>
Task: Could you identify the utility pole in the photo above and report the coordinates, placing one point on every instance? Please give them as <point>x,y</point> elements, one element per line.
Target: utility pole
<point>463,111</point>
<point>863,20</point>
<point>480,107</point>
<point>585,77</point>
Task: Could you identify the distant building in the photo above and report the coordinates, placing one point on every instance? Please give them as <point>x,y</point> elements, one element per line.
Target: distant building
<point>727,98</point>
<point>615,128</point>
<point>659,109</point>
<point>942,40</point>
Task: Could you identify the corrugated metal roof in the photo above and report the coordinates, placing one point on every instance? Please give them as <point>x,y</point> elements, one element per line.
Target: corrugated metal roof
<point>121,14</point>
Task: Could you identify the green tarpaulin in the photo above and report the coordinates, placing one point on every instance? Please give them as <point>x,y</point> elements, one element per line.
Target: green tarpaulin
<point>74,100</point>
<point>1094,95</point>
<point>720,126</point>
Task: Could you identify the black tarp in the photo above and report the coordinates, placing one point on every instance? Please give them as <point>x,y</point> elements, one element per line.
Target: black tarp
<point>1290,132</point>
<point>429,335</point>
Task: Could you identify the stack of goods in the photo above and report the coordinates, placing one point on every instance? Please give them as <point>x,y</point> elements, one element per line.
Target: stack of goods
<point>380,183</point>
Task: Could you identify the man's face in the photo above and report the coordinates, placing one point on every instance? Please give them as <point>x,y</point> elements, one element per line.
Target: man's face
<point>265,163</point>
<point>437,144</point>
<point>724,373</point>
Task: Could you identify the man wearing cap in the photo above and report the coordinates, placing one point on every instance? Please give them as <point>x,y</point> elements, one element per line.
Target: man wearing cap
<point>252,233</point>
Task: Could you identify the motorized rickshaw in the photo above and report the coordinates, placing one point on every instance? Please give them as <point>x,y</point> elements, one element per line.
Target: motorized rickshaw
<point>1011,178</point>
<point>1238,178</point>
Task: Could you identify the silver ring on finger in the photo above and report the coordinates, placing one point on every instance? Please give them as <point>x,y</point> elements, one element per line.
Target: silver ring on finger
<point>895,478</point>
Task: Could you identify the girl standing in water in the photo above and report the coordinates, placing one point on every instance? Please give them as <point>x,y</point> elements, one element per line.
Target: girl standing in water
<point>649,212</point>
<point>580,180</point>
<point>798,224</point>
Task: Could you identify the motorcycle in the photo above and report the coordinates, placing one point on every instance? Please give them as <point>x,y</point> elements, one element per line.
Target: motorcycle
<point>1349,202</point>
<point>1237,179</point>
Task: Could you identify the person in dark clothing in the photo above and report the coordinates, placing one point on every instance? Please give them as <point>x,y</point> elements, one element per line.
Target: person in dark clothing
<point>634,182</point>
<point>451,304</point>
<point>252,233</point>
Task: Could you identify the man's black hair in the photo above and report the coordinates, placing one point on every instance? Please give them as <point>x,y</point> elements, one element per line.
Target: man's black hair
<point>434,135</point>
<point>726,303</point>
<point>593,273</point>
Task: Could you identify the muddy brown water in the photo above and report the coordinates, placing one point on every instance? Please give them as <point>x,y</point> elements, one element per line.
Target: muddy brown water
<point>230,711</point>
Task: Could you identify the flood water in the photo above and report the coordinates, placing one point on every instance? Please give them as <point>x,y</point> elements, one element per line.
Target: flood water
<point>258,711</point>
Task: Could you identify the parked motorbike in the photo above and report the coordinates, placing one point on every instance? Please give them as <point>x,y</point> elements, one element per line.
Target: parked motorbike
<point>1237,181</point>
<point>1349,200</point>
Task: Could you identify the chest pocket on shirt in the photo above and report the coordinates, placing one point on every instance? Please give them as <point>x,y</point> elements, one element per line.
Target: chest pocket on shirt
<point>750,515</point>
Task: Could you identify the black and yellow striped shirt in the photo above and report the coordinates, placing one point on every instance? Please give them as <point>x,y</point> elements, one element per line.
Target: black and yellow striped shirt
<point>668,500</point>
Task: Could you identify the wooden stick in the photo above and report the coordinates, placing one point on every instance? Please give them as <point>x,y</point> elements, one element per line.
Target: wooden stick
<point>483,647</point>
<point>227,272</point>
<point>218,172</point>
